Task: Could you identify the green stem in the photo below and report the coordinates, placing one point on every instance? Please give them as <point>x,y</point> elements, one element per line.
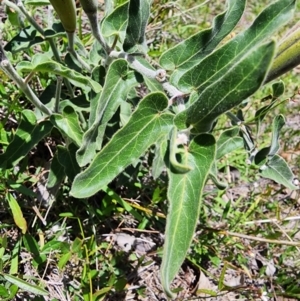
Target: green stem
<point>57,58</point>
<point>287,56</point>
<point>57,93</point>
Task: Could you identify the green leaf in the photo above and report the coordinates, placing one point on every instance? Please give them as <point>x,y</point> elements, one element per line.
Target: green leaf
<point>278,123</point>
<point>228,142</point>
<point>32,246</point>
<point>68,124</point>
<point>185,198</point>
<point>56,174</point>
<point>278,89</point>
<point>115,23</point>
<point>138,15</point>
<point>192,50</point>
<point>67,158</point>
<point>225,58</point>
<point>226,92</point>
<point>147,124</point>
<point>158,164</point>
<point>28,134</point>
<point>26,38</point>
<point>41,63</point>
<point>34,289</point>
<point>19,219</point>
<point>124,204</point>
<point>118,82</point>
<point>14,263</point>
<point>236,70</point>
<point>267,153</point>
<point>278,170</point>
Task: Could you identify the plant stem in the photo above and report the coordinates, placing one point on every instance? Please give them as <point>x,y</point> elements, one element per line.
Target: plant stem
<point>272,220</point>
<point>7,67</point>
<point>57,93</point>
<point>71,50</point>
<point>159,75</point>
<point>271,241</point>
<point>20,8</point>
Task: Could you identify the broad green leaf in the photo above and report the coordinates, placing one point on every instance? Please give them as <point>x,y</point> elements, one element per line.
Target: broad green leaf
<point>118,82</point>
<point>3,292</point>
<point>28,134</point>
<point>213,67</point>
<point>236,70</point>
<point>68,124</point>
<point>185,198</point>
<point>125,112</point>
<point>67,158</point>
<point>26,38</point>
<point>79,104</point>
<point>138,15</point>
<point>29,37</point>
<point>115,23</point>
<point>228,142</point>
<point>56,174</point>
<point>17,213</point>
<point>147,124</point>
<point>228,91</point>
<point>278,170</point>
<point>278,123</point>
<point>278,89</point>
<point>41,63</point>
<point>192,50</point>
<point>34,289</point>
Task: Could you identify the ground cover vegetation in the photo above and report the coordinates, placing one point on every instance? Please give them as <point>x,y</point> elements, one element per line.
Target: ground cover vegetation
<point>149,150</point>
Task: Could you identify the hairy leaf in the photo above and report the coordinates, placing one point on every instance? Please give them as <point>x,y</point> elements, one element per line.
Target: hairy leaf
<point>185,198</point>
<point>236,70</point>
<point>228,142</point>
<point>138,15</point>
<point>68,124</point>
<point>147,124</point>
<point>67,158</point>
<point>243,78</point>
<point>278,170</point>
<point>115,23</point>
<point>56,174</point>
<point>278,123</point>
<point>41,63</point>
<point>192,50</point>
<point>118,82</point>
